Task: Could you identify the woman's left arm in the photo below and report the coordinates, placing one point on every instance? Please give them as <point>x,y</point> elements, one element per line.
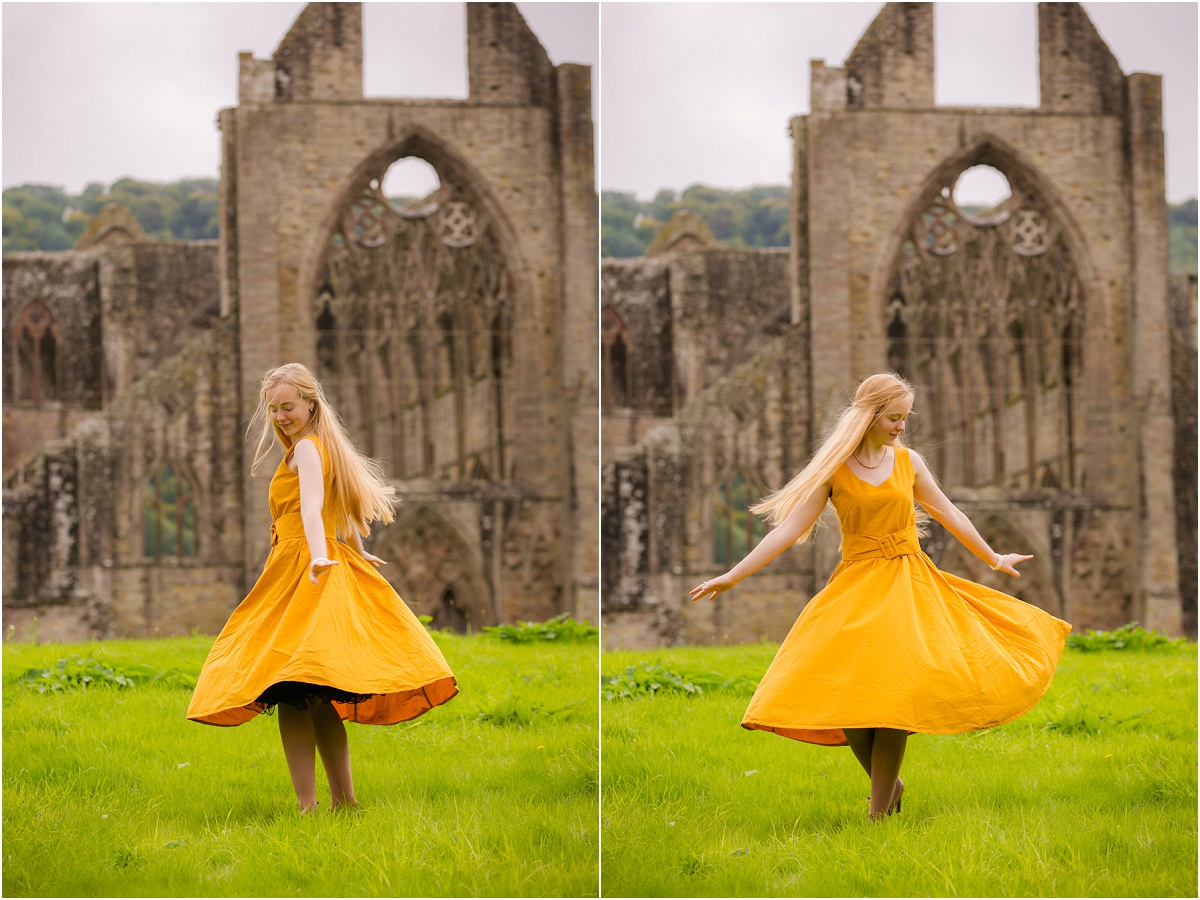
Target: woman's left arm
<point>938,505</point>
<point>357,544</point>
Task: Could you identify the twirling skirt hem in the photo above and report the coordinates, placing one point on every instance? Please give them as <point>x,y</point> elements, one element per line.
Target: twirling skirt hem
<point>830,736</point>
<point>384,708</point>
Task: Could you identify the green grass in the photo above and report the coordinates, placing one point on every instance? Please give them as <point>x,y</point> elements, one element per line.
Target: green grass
<point>109,791</point>
<point>1092,793</point>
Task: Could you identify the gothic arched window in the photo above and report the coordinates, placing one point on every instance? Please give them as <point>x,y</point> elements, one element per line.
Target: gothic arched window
<point>36,345</point>
<point>736,530</point>
<point>985,317</point>
<point>168,515</point>
<point>616,382</point>
<point>414,330</point>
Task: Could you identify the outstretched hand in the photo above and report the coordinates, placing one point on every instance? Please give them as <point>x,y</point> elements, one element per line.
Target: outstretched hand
<point>712,587</point>
<point>1009,561</point>
<point>318,567</point>
<point>373,559</point>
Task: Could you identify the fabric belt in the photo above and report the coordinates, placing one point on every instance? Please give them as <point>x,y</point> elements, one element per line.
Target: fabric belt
<point>873,546</point>
<point>289,526</point>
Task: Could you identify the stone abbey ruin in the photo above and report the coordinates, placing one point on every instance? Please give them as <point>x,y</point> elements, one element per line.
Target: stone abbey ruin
<point>1053,354</point>
<point>457,336</point>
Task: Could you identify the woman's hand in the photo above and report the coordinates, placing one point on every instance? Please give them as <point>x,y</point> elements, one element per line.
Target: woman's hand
<point>1008,563</point>
<point>372,559</point>
<point>318,567</point>
<point>712,587</point>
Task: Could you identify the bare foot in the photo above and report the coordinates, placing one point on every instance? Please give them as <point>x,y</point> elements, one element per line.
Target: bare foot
<point>312,808</point>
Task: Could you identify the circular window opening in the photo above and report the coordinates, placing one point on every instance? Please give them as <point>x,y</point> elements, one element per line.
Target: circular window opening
<point>411,185</point>
<point>980,193</point>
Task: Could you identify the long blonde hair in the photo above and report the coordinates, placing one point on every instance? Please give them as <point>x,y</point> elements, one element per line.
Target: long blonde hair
<point>360,493</point>
<point>875,394</point>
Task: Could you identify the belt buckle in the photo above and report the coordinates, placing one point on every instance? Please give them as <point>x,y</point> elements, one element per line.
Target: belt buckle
<point>887,544</point>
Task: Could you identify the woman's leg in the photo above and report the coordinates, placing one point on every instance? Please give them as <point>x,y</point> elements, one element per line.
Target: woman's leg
<point>887,753</point>
<point>299,747</point>
<point>860,740</point>
<point>335,753</point>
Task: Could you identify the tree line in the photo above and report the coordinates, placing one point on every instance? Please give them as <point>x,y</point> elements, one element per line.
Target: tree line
<point>43,217</point>
<point>759,217</point>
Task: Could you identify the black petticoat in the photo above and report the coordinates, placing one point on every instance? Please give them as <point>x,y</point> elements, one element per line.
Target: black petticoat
<point>301,695</point>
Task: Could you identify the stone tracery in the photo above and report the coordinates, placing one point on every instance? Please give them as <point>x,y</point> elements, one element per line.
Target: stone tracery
<point>415,329</point>
<point>985,315</point>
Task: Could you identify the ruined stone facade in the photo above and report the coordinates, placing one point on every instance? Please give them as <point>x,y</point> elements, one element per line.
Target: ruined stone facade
<point>458,337</point>
<point>1050,354</point>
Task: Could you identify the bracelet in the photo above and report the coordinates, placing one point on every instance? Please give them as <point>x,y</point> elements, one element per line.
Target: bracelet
<point>999,559</point>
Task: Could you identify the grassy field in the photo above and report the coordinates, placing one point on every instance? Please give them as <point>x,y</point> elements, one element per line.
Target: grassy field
<point>110,792</point>
<point>1093,793</point>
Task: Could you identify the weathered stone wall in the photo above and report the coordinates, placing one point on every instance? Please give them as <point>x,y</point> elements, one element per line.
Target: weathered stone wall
<point>68,285</point>
<point>156,296</point>
<point>873,157</point>
<point>521,148</point>
<point>75,563</point>
<point>691,316</point>
<point>1183,402</point>
<point>657,517</point>
<point>514,540</point>
<point>120,311</point>
<point>868,169</point>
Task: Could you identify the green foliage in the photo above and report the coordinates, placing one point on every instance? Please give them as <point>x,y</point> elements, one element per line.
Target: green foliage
<point>644,679</point>
<point>1182,232</point>
<point>754,217</point>
<point>515,710</point>
<point>1127,637</point>
<point>561,628</point>
<point>42,217</point>
<point>1077,716</point>
<point>74,672</point>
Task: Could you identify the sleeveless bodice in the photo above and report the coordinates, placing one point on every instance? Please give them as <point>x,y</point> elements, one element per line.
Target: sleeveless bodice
<point>864,508</point>
<point>284,498</point>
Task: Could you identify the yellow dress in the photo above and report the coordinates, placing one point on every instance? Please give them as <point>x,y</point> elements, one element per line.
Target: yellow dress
<point>892,642</point>
<point>350,638</point>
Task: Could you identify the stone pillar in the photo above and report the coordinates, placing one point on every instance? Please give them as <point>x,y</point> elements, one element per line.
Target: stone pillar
<point>831,328</point>
<point>1157,590</point>
<point>799,247</point>
<point>580,336</point>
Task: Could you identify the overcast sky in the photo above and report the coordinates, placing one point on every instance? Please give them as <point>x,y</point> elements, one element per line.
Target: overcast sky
<point>688,93</point>
<point>702,93</point>
<point>102,91</point>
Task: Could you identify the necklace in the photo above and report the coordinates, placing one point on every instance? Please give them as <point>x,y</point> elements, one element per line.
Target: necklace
<point>864,465</point>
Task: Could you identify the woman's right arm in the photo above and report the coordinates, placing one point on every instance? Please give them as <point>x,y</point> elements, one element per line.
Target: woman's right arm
<point>798,521</point>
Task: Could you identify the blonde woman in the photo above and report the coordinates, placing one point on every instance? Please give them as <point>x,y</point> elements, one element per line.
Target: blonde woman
<point>891,646</point>
<point>322,635</point>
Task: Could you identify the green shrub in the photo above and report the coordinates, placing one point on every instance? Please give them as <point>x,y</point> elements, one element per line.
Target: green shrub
<point>647,679</point>
<point>74,672</point>
<point>1127,637</point>
<point>514,710</point>
<point>561,628</point>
